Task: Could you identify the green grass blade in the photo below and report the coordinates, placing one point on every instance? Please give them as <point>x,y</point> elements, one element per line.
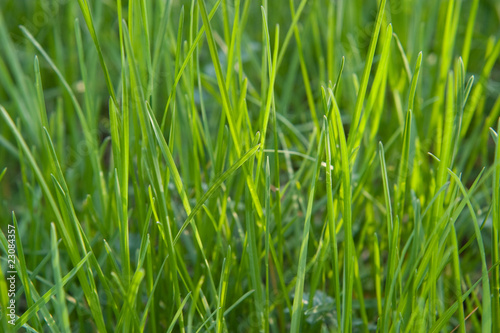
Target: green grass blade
<point>49,294</point>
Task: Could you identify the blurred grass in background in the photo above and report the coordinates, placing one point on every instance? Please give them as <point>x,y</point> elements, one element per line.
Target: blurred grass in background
<point>251,166</point>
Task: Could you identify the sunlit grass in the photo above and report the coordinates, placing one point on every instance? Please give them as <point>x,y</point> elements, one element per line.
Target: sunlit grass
<point>241,166</point>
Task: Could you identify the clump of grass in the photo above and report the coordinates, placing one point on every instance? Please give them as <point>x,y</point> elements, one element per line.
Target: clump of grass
<point>228,165</point>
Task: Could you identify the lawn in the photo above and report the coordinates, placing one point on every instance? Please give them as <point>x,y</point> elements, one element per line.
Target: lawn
<point>249,166</point>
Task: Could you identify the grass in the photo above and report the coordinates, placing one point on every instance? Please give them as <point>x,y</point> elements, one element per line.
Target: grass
<point>228,165</point>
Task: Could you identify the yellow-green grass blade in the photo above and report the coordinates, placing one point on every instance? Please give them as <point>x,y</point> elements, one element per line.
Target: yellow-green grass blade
<point>223,284</point>
<point>266,242</point>
<point>486,302</point>
<point>87,15</point>
<point>290,32</point>
<point>403,166</point>
<point>469,33</point>
<point>49,294</point>
<point>60,304</point>
<point>376,90</point>
<point>393,236</point>
<point>270,91</point>
<point>226,103</point>
<point>188,56</point>
<point>345,170</point>
<point>332,222</point>
<point>356,118</point>
<point>471,110</point>
<point>301,269</point>
<point>178,313</point>
<point>253,261</point>
<point>496,235</point>
<point>438,325</point>
<point>305,74</point>
<point>215,185</point>
<point>445,60</point>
